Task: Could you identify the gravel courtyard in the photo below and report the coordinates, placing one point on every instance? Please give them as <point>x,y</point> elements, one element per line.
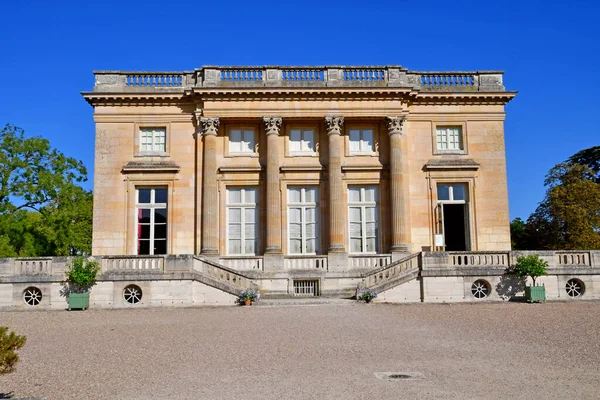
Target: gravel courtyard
<point>331,351</point>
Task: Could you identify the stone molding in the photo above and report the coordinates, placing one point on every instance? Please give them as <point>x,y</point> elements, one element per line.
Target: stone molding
<point>334,125</point>
<point>272,125</point>
<point>395,125</point>
<point>210,125</point>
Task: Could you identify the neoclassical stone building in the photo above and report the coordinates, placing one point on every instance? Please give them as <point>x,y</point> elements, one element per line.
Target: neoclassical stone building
<point>279,168</point>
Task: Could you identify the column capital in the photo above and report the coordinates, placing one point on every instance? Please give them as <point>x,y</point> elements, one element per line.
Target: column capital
<point>334,125</point>
<point>272,125</point>
<point>210,125</point>
<point>395,125</point>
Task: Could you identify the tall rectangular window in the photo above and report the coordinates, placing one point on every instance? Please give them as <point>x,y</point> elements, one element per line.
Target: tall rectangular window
<point>241,141</point>
<point>153,139</point>
<point>241,221</point>
<point>302,141</point>
<point>302,220</point>
<point>151,210</point>
<point>449,138</point>
<point>361,141</point>
<point>363,219</point>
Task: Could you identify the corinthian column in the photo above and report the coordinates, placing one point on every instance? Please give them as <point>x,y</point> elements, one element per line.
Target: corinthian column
<point>210,205</point>
<point>399,186</point>
<point>272,128</point>
<point>336,204</point>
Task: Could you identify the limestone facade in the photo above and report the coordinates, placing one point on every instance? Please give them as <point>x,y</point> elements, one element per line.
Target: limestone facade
<point>342,132</point>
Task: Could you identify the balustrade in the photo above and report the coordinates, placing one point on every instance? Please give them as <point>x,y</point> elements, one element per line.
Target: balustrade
<point>306,263</point>
<point>155,80</point>
<point>241,75</point>
<point>302,74</point>
<point>450,79</point>
<point>243,264</point>
<point>479,259</point>
<point>374,261</point>
<point>133,264</point>
<point>364,74</point>
<point>392,271</point>
<point>33,266</point>
<point>573,258</point>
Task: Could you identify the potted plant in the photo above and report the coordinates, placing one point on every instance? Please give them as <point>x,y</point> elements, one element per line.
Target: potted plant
<point>246,297</point>
<point>367,295</point>
<point>534,267</point>
<point>81,276</point>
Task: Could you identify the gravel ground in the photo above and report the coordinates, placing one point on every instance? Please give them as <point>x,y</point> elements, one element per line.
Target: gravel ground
<point>331,351</point>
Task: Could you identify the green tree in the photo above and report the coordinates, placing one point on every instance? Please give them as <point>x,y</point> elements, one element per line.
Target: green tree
<point>43,211</point>
<point>589,157</point>
<point>9,344</point>
<point>569,216</point>
<point>518,234</point>
<point>532,266</point>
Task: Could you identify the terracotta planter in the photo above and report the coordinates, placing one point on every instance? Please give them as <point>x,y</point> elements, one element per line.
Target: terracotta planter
<point>248,302</point>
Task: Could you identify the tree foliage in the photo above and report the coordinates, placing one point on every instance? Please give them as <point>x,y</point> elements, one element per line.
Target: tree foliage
<point>9,344</point>
<point>589,157</point>
<point>43,210</point>
<point>532,266</point>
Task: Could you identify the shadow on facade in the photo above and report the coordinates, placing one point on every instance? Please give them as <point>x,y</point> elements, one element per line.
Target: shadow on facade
<point>509,286</point>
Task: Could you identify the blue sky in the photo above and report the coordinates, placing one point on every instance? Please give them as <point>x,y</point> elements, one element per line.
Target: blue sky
<point>549,50</point>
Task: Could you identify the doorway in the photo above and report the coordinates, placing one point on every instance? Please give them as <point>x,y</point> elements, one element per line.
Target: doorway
<point>453,217</point>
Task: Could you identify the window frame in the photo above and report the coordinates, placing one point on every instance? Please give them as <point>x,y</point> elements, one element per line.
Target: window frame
<point>363,205</point>
<point>374,152</point>
<point>151,206</point>
<point>303,205</point>
<point>449,124</point>
<point>242,206</point>
<point>242,129</point>
<point>137,139</point>
<point>303,130</point>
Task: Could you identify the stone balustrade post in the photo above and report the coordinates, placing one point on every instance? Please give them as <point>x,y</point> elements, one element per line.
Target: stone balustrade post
<point>399,185</point>
<point>210,204</point>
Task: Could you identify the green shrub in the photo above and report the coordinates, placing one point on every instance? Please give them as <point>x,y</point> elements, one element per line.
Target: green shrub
<point>532,266</point>
<point>9,344</point>
<point>81,275</point>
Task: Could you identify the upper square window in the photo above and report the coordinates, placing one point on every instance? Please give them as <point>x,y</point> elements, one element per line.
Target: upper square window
<point>449,138</point>
<point>241,141</point>
<point>153,140</point>
<point>361,141</point>
<point>302,141</point>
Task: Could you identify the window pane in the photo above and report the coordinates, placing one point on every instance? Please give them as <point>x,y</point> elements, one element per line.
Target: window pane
<point>144,216</point>
<point>295,246</point>
<point>143,247</point>
<point>250,195</point>
<point>295,230</point>
<point>310,195</point>
<point>367,140</point>
<point>294,195</point>
<point>310,214</point>
<point>249,247</point>
<point>354,195</point>
<point>295,215</point>
<point>458,192</point>
<point>160,247</point>
<point>354,140</point>
<point>160,195</point>
<point>371,229</point>
<point>248,143</point>
<point>235,247</point>
<point>295,138</point>
<point>235,231</point>
<point>355,229</point>
<point>356,245</point>
<point>354,214</point>
<point>308,141</point>
<point>370,194</point>
<point>143,231</point>
<point>311,230</point>
<point>250,214</point>
<point>144,196</point>
<point>235,139</point>
<point>310,246</point>
<point>249,231</point>
<point>370,214</point>
<point>160,215</point>
<point>235,196</point>
<point>443,192</point>
<point>235,215</point>
<point>371,245</point>
<point>160,231</point>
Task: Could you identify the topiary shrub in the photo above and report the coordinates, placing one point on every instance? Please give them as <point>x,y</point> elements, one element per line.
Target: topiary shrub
<point>9,344</point>
<point>81,275</point>
<point>532,266</point>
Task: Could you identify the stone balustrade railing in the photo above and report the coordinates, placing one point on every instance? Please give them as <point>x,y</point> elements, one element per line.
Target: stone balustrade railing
<point>133,264</point>
<point>229,280</point>
<point>394,271</point>
<point>479,259</point>
<point>306,263</point>
<point>301,76</point>
<point>369,261</point>
<point>246,263</point>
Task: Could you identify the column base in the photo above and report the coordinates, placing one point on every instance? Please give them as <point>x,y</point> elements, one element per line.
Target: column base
<point>210,255</point>
<point>337,261</point>
<point>273,262</point>
<point>400,251</point>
